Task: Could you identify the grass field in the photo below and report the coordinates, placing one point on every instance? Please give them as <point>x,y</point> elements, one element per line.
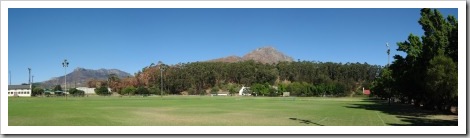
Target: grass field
<point>215,111</point>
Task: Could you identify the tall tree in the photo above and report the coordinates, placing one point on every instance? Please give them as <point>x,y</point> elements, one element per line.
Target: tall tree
<point>441,82</point>
<point>428,73</point>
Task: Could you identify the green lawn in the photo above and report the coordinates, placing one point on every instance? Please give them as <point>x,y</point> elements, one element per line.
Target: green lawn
<point>215,111</point>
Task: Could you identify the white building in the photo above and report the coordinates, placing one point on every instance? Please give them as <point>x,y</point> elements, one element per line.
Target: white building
<point>89,90</point>
<point>19,90</point>
<point>242,91</point>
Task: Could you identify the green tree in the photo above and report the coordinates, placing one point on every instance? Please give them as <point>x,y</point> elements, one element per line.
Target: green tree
<point>260,89</point>
<point>192,91</point>
<point>37,91</point>
<point>57,88</point>
<point>441,82</point>
<point>384,85</point>
<point>215,90</point>
<point>129,90</point>
<point>232,90</point>
<point>272,91</point>
<point>154,90</point>
<point>142,90</point>
<point>76,92</point>
<point>102,91</point>
<point>428,74</point>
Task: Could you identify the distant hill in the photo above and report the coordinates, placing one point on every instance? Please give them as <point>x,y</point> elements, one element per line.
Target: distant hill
<point>264,55</point>
<point>80,76</point>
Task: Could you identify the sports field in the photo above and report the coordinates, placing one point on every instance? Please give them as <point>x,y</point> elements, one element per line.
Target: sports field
<point>216,111</point>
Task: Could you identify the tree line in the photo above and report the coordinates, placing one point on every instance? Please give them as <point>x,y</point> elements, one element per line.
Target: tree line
<point>301,78</point>
<point>427,75</point>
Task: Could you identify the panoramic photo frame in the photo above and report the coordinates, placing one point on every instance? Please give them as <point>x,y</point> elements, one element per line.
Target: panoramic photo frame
<point>6,129</point>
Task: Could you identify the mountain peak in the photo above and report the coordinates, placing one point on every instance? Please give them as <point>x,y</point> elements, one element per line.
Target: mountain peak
<point>266,48</point>
<point>266,54</point>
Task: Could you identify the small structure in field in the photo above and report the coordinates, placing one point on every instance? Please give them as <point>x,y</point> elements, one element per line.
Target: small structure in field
<point>285,94</point>
<point>244,91</point>
<point>87,90</point>
<point>365,92</point>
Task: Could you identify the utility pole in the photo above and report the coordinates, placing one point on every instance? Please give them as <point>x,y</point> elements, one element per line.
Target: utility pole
<point>388,53</point>
<point>161,77</point>
<point>161,81</point>
<point>388,65</point>
<point>29,77</point>
<point>65,64</point>
<point>10,76</point>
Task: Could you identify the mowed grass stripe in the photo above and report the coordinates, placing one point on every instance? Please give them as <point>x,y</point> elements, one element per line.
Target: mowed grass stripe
<point>196,111</point>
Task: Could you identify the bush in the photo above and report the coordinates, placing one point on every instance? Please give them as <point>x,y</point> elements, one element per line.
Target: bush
<point>76,92</point>
<point>102,91</point>
<point>154,90</point>
<point>37,91</point>
<point>215,90</point>
<point>232,90</point>
<point>129,90</point>
<point>142,91</point>
<point>48,94</point>
<point>191,91</point>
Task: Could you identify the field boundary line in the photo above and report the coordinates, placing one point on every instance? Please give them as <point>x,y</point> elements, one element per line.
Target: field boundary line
<point>322,119</point>
<point>380,118</point>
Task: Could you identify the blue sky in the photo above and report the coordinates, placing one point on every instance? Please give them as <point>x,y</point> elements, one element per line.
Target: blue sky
<point>130,39</point>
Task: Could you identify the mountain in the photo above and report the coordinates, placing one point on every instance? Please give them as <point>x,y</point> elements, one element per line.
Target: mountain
<point>264,55</point>
<point>80,76</point>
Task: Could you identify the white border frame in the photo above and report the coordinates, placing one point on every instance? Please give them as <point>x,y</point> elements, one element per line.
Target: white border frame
<point>461,129</point>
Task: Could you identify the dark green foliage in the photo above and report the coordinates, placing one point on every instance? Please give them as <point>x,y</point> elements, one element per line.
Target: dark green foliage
<point>199,76</point>
<point>48,94</point>
<point>428,74</point>
<point>441,82</point>
<point>273,92</point>
<point>129,90</point>
<point>215,90</point>
<point>37,91</point>
<point>142,91</point>
<point>260,89</point>
<point>154,90</point>
<point>192,91</point>
<point>102,91</point>
<point>76,92</point>
<point>57,88</point>
<point>232,90</point>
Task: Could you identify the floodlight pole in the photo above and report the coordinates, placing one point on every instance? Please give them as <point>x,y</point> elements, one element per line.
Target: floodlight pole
<point>161,80</point>
<point>388,65</point>
<point>388,53</point>
<point>29,77</point>
<point>160,63</point>
<point>65,64</point>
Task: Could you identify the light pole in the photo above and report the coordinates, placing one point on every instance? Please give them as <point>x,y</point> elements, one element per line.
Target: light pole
<point>388,65</point>
<point>161,78</point>
<point>161,81</point>
<point>29,77</point>
<point>388,53</point>
<point>65,64</point>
